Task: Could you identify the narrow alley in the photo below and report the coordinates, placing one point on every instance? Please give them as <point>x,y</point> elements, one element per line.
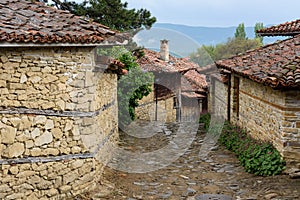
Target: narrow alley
<point>191,177</point>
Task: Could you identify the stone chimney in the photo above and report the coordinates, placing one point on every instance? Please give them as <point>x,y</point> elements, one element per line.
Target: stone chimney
<point>164,50</point>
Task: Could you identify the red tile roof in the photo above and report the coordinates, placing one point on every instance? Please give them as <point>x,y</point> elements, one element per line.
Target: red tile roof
<point>192,95</point>
<point>22,21</point>
<point>196,80</point>
<point>208,69</point>
<point>276,65</point>
<point>286,29</point>
<point>193,85</point>
<point>152,62</point>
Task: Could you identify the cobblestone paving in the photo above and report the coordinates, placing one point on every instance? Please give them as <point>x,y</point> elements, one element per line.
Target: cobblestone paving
<point>191,176</point>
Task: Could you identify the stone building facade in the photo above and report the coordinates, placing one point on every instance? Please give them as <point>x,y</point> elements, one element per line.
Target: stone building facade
<point>263,89</point>
<point>58,115</point>
<point>166,102</point>
<point>218,96</point>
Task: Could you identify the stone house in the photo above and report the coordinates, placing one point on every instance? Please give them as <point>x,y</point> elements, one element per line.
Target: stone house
<point>259,91</point>
<point>178,89</point>
<point>210,71</point>
<point>194,90</point>
<point>58,111</point>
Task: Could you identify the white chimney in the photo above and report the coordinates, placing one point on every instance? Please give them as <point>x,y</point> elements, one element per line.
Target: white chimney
<point>164,50</point>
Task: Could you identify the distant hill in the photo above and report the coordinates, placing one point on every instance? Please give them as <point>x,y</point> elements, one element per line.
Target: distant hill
<point>186,39</point>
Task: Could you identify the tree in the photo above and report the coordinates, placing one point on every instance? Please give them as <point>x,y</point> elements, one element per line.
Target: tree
<point>112,13</point>
<point>257,27</point>
<point>240,31</point>
<point>205,55</point>
<point>236,45</point>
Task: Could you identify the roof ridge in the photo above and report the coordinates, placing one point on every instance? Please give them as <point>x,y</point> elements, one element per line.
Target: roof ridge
<point>258,48</point>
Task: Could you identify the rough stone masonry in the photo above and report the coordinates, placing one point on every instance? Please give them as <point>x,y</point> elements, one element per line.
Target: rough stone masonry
<point>58,121</point>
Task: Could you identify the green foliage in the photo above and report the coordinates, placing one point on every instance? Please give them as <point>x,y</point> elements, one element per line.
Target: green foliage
<point>112,13</point>
<point>207,54</point>
<point>258,26</point>
<point>132,86</point>
<point>240,31</point>
<point>235,46</point>
<point>204,55</point>
<point>257,157</point>
<point>205,118</point>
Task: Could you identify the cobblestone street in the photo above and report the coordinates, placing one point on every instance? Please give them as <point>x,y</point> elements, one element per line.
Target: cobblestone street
<point>191,176</point>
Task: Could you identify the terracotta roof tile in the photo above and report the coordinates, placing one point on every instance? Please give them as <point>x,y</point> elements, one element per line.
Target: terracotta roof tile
<point>22,21</point>
<point>286,29</point>
<point>276,65</point>
<point>196,80</point>
<point>152,62</point>
<point>192,95</point>
<point>211,68</point>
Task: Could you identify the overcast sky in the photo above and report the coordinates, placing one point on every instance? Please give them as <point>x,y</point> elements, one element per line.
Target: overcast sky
<point>220,12</point>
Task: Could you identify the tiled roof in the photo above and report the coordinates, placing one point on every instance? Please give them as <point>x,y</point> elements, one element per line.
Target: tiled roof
<point>220,77</point>
<point>151,62</point>
<point>196,80</point>
<point>286,29</point>
<point>22,21</point>
<point>192,95</point>
<point>276,65</point>
<point>192,84</point>
<point>208,69</point>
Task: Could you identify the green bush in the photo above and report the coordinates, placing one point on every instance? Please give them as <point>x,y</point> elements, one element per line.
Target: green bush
<point>256,157</point>
<point>205,118</point>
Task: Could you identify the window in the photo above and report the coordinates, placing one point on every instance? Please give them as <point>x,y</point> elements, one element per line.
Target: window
<point>175,102</point>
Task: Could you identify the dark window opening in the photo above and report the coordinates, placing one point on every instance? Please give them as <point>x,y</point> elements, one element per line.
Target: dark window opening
<point>236,94</point>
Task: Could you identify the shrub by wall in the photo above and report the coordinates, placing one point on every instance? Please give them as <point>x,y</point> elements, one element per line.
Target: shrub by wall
<point>256,157</point>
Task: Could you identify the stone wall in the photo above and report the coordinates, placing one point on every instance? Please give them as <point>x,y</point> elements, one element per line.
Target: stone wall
<point>218,98</point>
<point>290,126</point>
<point>58,117</point>
<point>147,109</point>
<point>191,109</point>
<point>269,115</point>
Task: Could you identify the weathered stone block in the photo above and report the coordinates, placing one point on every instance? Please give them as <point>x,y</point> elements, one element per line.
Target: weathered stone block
<point>61,104</point>
<point>49,78</point>
<point>16,86</point>
<point>51,151</point>
<point>75,149</point>
<point>77,164</point>
<point>49,124</point>
<point>35,133</point>
<point>4,188</point>
<point>8,135</point>
<point>23,78</point>
<point>34,180</point>
<point>14,170</point>
<point>40,119</point>
<point>15,196</point>
<point>44,184</point>
<point>57,133</point>
<point>14,150</point>
<point>52,192</point>
<point>45,138</point>
<point>2,83</point>
<point>25,174</point>
<point>65,188</point>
